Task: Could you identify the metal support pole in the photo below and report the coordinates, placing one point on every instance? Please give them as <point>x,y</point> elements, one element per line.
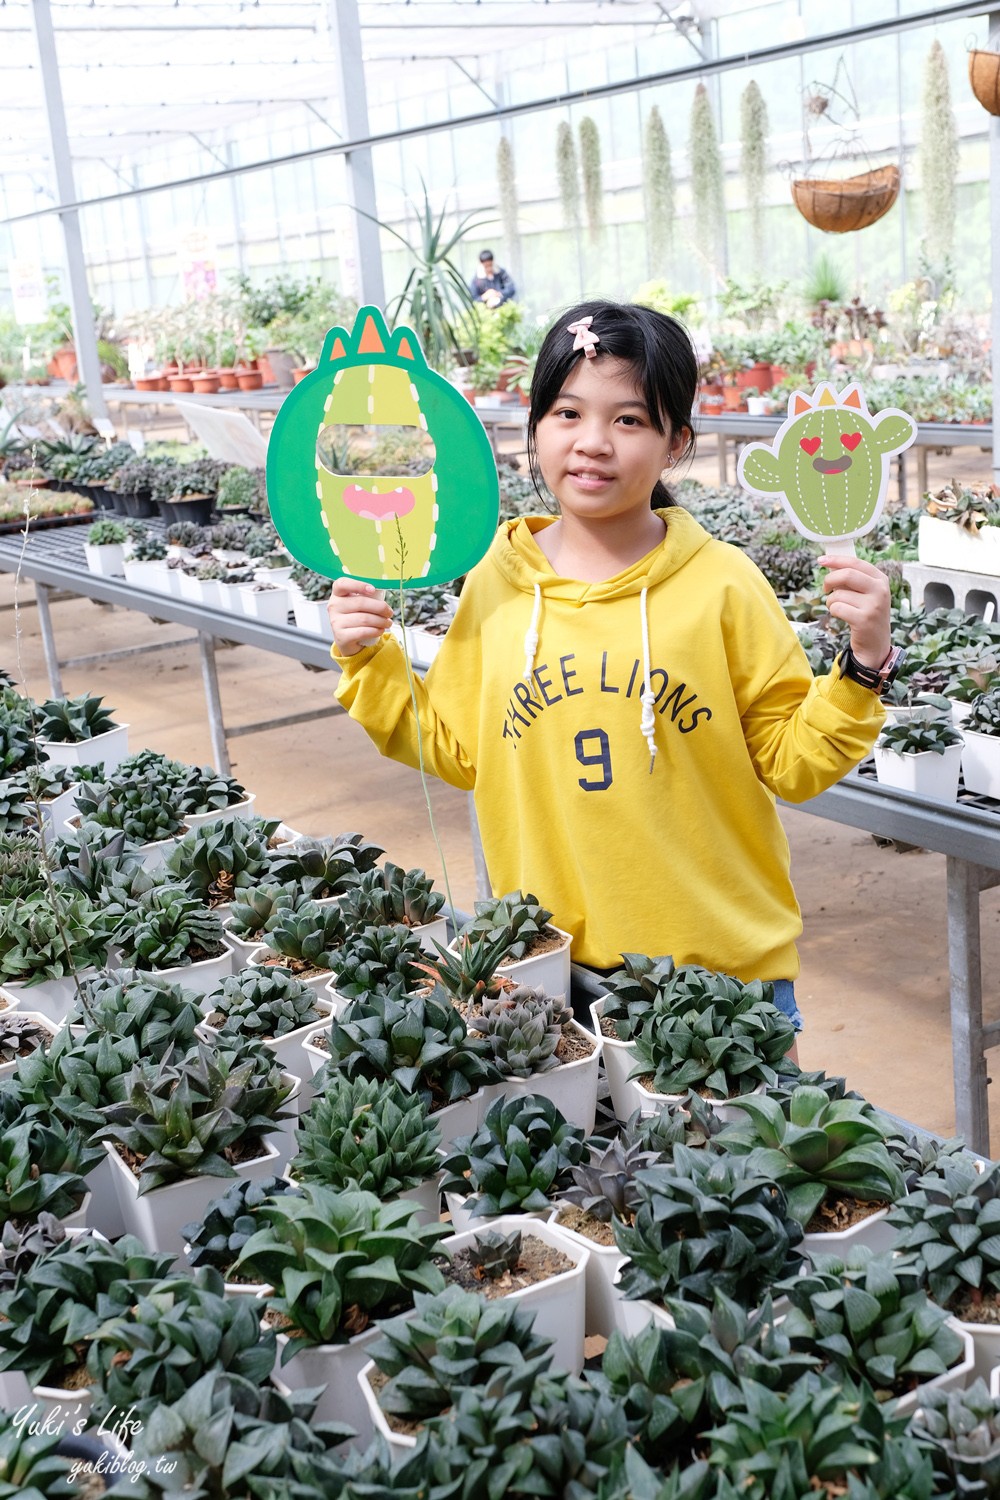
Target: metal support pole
<point>994,129</point>
<point>48,640</point>
<point>972,1114</point>
<point>345,28</point>
<point>235,208</point>
<point>84,338</point>
<point>216,725</point>
<point>483,888</point>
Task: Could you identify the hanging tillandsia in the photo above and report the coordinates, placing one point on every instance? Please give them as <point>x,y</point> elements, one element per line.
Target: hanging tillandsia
<point>658,180</point>
<point>838,205</point>
<point>753,163</point>
<point>567,175</point>
<point>707,180</point>
<point>938,158</point>
<point>593,190</point>
<point>509,206</point>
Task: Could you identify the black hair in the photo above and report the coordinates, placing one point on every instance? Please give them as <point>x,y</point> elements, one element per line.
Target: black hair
<point>658,348</point>
<point>486,255</point>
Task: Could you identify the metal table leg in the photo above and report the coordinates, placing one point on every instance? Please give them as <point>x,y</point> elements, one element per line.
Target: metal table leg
<point>216,726</point>
<point>969,1037</point>
<point>48,640</point>
<point>723,443</point>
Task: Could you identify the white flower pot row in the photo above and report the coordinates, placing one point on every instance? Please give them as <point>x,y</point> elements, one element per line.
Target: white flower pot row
<point>934,776</point>
<point>943,544</point>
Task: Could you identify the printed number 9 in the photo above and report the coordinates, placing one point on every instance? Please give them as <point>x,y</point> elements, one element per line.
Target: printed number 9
<point>602,758</point>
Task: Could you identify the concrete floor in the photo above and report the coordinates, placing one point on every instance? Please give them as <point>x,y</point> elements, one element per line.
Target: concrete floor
<point>874,983</point>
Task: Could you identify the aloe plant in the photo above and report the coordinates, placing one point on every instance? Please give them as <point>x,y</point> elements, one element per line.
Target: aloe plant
<point>951,1222</point>
<point>518,1160</point>
<point>73,720</point>
<point>174,1332</point>
<point>338,1260</point>
<point>261,1004</point>
<point>868,1317</point>
<point>217,1238</point>
<point>366,1135</point>
<point>524,1027</point>
<point>324,867</point>
<point>816,1149</point>
<point>452,1341</point>
<point>186,1115</point>
<point>421,1044</point>
<point>42,1166</point>
<point>706,1224</point>
<point>470,974</point>
<point>961,1431</point>
<point>41,939</point>
<point>388,895</point>
<point>64,1296</point>
<point>389,960</point>
<point>215,861</point>
<point>518,917</point>
<point>168,928</point>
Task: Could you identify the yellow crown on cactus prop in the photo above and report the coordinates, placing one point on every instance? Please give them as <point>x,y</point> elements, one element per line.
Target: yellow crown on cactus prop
<point>829,461</point>
<point>377,468</point>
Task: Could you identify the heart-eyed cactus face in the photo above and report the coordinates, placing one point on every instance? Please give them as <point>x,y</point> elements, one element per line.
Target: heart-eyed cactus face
<point>829,462</point>
<point>378,468</point>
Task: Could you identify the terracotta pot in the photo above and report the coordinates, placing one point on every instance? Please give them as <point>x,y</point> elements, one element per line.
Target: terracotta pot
<point>264,366</point>
<point>182,384</point>
<point>64,363</point>
<point>148,383</point>
<point>227,380</point>
<point>758,375</point>
<point>249,380</point>
<point>169,370</point>
<point>301,371</point>
<point>207,383</point>
<point>778,374</point>
<point>984,76</point>
<point>732,398</point>
<point>523,399</point>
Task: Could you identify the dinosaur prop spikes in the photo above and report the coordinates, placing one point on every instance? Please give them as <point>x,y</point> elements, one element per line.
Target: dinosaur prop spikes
<point>377,468</point>
<point>829,463</point>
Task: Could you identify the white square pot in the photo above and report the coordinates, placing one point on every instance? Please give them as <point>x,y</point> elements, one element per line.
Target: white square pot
<point>572,1087</point>
<point>311,616</point>
<point>985,1348</point>
<point>151,575</point>
<point>429,933</point>
<point>107,750</point>
<point>603,1297</point>
<point>944,544</point>
<point>874,1232</point>
<point>619,1059</point>
<point>981,763</point>
<point>52,998</point>
<point>271,605</point>
<point>559,1304</point>
<point>634,1316</point>
<point>925,774</point>
<point>107,561</point>
<point>242,809</point>
<point>231,597</point>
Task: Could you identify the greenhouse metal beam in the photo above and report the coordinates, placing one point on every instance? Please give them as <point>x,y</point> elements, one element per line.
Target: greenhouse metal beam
<point>345,26</point>
<point>689,72</point>
<point>84,337</point>
<point>994,128</point>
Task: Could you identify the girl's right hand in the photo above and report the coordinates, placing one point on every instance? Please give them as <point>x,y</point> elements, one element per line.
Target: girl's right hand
<point>358,614</point>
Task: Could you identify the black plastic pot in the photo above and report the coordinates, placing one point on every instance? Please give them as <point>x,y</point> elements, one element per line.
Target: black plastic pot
<point>117,502</point>
<point>196,508</point>
<point>101,496</point>
<point>140,505</point>
<point>96,1451</point>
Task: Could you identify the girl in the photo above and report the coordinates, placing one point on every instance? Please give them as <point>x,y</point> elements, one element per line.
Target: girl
<point>622,692</point>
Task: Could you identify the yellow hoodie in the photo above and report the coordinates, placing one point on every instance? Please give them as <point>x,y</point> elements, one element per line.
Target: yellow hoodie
<point>689,858</point>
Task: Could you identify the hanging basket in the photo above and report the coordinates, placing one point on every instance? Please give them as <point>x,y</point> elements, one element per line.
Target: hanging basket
<point>838,205</point>
<point>984,75</point>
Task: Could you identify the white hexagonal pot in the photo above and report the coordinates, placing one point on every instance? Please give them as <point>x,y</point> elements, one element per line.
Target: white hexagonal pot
<point>925,774</point>
<point>243,809</point>
<point>572,1087</point>
<point>981,763</point>
<point>619,1059</point>
<point>53,998</point>
<point>108,749</point>
<point>603,1297</point>
<point>336,1366</point>
<point>874,1232</point>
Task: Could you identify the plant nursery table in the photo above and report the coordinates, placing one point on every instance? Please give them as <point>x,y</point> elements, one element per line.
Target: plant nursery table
<point>55,560</point>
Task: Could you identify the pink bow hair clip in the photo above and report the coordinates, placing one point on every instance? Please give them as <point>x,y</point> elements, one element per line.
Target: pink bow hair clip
<point>585,338</point>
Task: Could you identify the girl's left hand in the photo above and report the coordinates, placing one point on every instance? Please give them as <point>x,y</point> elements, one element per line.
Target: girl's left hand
<point>858,594</point>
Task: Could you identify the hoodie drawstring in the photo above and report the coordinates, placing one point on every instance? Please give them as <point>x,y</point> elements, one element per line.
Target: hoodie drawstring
<point>647,724</point>
<point>531,635</point>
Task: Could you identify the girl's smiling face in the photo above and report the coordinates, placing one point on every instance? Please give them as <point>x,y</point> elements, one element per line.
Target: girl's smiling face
<point>598,450</point>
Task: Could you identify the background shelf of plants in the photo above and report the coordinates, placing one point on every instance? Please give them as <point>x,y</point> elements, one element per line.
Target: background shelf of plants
<point>245,1074</point>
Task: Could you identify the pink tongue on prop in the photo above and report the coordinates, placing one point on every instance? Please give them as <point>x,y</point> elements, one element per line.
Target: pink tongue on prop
<point>372,507</point>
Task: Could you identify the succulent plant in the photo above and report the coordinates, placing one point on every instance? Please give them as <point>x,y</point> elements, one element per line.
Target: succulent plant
<point>523,1026</point>
<point>21,874</point>
<point>72,720</point>
<point>184,1116</point>
<point>64,1296</point>
<point>17,808</point>
<point>205,790</point>
<point>387,895</point>
<point>20,1035</point>
<point>42,939</point>
<point>951,1222</point>
<point>984,716</point>
<point>366,1135</point>
<point>324,867</point>
<point>421,1044</point>
<point>518,916</point>
<point>30,1466</point>
<point>452,1341</point>
<point>187,534</point>
<point>915,1152</point>
<point>228,1438</point>
<point>603,1185</point>
<point>518,1160</point>
<point>130,1003</point>
<point>816,1148</point>
<point>338,1260</point>
<point>868,1317</point>
<point>216,860</point>
<point>93,1069</point>
<point>961,1431</point>
<point>255,911</point>
<point>494,1255</point>
<point>388,960</point>
<point>688,1122</point>
<point>87,862</point>
<point>307,939</point>
<point>706,1224</point>
<point>218,1237</point>
<point>633,989</point>
<point>173,1333</point>
<point>261,1004</point>
<point>17,748</point>
<point>923,729</point>
<point>21,1246</point>
<point>168,928</point>
<point>42,1167</point>
<point>142,806</point>
<point>470,974</point>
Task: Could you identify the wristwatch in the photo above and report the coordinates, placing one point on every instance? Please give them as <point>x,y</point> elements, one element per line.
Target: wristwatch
<point>875,678</point>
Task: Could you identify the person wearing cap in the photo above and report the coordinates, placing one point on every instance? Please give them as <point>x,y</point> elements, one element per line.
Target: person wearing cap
<point>493,285</point>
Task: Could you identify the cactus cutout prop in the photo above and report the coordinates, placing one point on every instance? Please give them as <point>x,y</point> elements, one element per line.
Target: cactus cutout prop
<point>377,468</point>
<point>829,463</point>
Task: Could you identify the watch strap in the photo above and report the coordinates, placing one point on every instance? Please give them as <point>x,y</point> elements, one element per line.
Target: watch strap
<point>873,678</point>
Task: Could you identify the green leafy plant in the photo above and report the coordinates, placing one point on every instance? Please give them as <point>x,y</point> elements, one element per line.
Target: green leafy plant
<point>961,1431</point>
<point>984,716</point>
<point>524,1027</point>
<point>950,1222</point>
<point>434,295</point>
<point>706,1224</point>
<point>204,790</point>
<point>41,939</point>
<point>308,939</point>
<point>30,1466</point>
<point>324,867</point>
<point>106,533</point>
<point>923,729</point>
<point>389,895</point>
<point>17,748</point>
<point>240,489</point>
<point>518,1160</point>
<point>21,875</point>
<point>421,1044</point>
<point>254,911</point>
<point>520,917</point>
<point>816,1148</point>
<point>42,1166</point>
<point>128,1003</point>
<point>142,806</point>
<point>633,990</point>
<point>470,974</point>
<point>193,1115</point>
<point>690,1121</point>
<point>168,928</point>
<point>388,960</point>
<point>707,177</point>
<point>263,1006</point>
<point>216,860</point>
<point>658,182</point>
<point>338,1260</point>
<point>218,1237</point>
<point>361,1134</point>
<point>72,720</point>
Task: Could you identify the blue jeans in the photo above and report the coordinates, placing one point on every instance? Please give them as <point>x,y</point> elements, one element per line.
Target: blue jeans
<point>784,999</point>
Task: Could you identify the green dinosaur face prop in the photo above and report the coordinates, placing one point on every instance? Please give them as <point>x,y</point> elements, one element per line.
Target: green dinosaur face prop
<point>377,468</point>
<point>829,462</point>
